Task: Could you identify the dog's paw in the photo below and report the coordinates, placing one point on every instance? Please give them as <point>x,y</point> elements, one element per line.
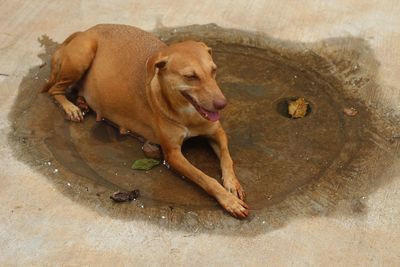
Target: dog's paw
<point>235,206</point>
<point>233,186</point>
<point>73,113</point>
<point>82,104</point>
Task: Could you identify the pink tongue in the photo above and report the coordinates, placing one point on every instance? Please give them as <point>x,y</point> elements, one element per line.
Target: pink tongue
<point>213,116</point>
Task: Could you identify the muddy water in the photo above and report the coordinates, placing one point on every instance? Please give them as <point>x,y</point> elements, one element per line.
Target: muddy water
<point>323,164</point>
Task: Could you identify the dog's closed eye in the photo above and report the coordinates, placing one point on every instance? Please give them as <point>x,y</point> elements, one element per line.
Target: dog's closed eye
<point>191,77</point>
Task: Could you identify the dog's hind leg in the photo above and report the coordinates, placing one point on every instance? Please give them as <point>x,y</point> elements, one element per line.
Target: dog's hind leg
<point>69,63</point>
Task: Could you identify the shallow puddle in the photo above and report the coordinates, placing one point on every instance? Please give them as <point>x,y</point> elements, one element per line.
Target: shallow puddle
<point>322,164</point>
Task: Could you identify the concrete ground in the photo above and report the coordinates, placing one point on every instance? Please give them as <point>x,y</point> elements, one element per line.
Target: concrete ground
<point>41,226</point>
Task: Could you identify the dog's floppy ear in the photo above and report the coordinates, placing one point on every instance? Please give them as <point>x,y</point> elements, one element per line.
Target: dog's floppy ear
<point>156,61</point>
<point>209,50</point>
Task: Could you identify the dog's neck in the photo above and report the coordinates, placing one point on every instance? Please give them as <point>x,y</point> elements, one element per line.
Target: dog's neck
<point>164,100</point>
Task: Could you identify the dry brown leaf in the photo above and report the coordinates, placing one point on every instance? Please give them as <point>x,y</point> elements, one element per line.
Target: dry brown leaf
<point>298,108</point>
<point>350,112</point>
<point>125,196</point>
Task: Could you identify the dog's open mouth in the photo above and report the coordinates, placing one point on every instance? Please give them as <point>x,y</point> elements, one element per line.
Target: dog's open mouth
<point>208,115</point>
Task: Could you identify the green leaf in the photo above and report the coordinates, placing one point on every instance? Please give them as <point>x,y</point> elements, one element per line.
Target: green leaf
<point>145,164</point>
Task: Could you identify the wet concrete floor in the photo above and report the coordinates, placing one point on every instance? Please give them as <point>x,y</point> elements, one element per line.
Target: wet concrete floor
<point>314,166</point>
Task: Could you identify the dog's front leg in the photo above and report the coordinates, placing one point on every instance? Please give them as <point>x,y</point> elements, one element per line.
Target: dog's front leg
<point>228,201</point>
<point>219,143</point>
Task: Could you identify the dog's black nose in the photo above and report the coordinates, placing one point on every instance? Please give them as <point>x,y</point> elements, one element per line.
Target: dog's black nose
<point>220,103</point>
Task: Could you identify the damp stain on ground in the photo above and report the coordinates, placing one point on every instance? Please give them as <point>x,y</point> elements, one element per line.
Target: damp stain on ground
<point>323,164</point>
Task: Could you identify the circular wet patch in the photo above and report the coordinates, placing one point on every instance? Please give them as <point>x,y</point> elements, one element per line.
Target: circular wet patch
<point>288,167</point>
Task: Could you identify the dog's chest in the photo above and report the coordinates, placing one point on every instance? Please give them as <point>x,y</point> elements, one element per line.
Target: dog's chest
<point>194,131</point>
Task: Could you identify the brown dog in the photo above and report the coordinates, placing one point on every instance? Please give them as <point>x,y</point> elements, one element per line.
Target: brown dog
<point>166,94</point>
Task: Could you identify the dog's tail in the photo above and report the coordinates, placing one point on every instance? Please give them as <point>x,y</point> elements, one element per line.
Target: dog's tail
<point>56,64</point>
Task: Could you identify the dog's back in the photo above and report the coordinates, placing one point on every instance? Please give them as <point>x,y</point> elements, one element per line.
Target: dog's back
<point>114,85</point>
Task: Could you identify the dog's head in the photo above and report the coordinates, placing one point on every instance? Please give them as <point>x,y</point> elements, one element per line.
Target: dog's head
<point>187,71</point>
